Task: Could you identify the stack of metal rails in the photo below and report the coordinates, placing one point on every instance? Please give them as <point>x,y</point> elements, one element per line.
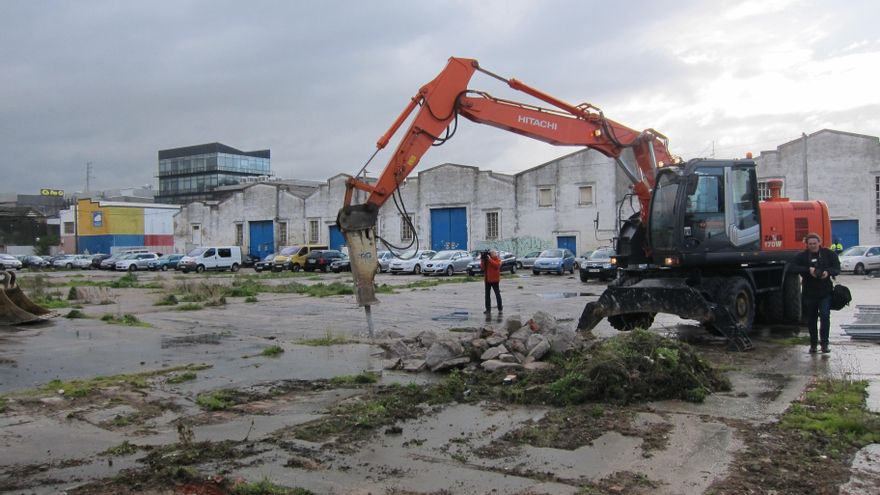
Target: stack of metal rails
<point>867,323</point>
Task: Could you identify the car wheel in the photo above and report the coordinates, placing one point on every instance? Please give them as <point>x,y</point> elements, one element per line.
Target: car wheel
<point>470,273</point>
<point>69,266</point>
<point>519,265</point>
<point>235,267</point>
<point>164,268</point>
<point>571,270</point>
<point>200,268</point>
<point>449,271</point>
<point>512,269</point>
<point>561,271</point>
<point>859,269</point>
<point>535,272</point>
<point>295,267</point>
<point>417,269</point>
<point>132,268</point>
<point>584,277</point>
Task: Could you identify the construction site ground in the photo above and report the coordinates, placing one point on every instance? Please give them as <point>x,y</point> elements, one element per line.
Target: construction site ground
<point>148,431</point>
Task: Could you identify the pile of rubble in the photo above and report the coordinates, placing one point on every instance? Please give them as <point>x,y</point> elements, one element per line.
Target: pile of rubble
<point>512,346</point>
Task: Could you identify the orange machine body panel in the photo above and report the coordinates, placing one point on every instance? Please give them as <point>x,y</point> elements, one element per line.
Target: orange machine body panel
<point>784,223</point>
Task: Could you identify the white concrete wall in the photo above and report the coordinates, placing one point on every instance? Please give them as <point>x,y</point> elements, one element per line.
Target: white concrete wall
<point>841,169</point>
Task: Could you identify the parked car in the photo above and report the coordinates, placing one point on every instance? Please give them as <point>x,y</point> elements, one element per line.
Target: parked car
<point>65,261</point>
<point>599,266</point>
<point>211,258</point>
<point>446,262</point>
<point>264,264</point>
<point>82,261</point>
<point>33,262</point>
<point>860,259</point>
<point>581,260</point>
<point>320,259</point>
<point>528,259</point>
<point>136,262</point>
<point>508,263</point>
<point>341,265</point>
<point>110,263</point>
<point>556,261</point>
<point>98,258</point>
<point>293,258</point>
<point>409,261</point>
<point>165,262</point>
<point>384,259</point>
<point>7,262</point>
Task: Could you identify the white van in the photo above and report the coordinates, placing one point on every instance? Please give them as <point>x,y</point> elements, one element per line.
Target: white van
<point>211,258</point>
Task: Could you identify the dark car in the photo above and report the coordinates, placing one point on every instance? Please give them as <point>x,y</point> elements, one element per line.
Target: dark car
<point>341,265</point>
<point>321,259</point>
<point>33,262</point>
<point>508,264</point>
<point>265,264</point>
<point>165,262</point>
<point>599,266</point>
<point>98,258</point>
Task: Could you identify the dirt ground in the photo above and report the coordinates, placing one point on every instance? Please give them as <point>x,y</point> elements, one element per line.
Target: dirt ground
<point>206,400</point>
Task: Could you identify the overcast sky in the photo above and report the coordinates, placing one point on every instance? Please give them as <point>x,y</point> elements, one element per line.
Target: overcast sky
<point>113,82</point>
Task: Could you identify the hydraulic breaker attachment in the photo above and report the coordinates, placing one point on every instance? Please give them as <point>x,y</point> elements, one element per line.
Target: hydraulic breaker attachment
<point>357,223</point>
<point>630,306</point>
<point>11,313</point>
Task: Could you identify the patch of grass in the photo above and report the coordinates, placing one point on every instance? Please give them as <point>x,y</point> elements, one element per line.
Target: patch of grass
<point>127,319</point>
<point>835,410</point>
<point>802,340</point>
<point>71,294</point>
<point>182,377</point>
<point>168,300</point>
<point>2,404</point>
<point>123,449</point>
<point>364,378</point>
<point>201,292</point>
<point>52,301</point>
<point>250,299</point>
<point>266,487</point>
<point>218,400</point>
<point>75,313</point>
<point>272,351</point>
<point>385,289</point>
<point>189,307</point>
<point>327,340</point>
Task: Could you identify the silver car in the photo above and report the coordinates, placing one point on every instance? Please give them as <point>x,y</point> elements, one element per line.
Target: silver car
<point>384,260</point>
<point>7,261</point>
<point>860,259</point>
<point>409,263</point>
<point>446,262</point>
<point>140,261</point>
<point>528,260</point>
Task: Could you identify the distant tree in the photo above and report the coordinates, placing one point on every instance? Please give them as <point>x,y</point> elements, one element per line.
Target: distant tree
<point>44,245</point>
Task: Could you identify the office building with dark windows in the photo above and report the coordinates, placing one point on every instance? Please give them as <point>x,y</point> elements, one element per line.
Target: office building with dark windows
<point>193,173</point>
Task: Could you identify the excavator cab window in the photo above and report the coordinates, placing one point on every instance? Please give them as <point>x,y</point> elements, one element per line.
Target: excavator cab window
<point>663,220</point>
<point>704,208</point>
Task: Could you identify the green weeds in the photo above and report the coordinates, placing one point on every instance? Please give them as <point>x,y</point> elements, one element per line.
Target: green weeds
<point>182,377</point>
<point>123,449</point>
<point>327,340</point>
<point>74,314</point>
<point>364,378</point>
<point>218,400</point>
<point>272,351</point>
<point>168,300</point>
<point>127,319</point>
<point>189,307</point>
<point>266,487</point>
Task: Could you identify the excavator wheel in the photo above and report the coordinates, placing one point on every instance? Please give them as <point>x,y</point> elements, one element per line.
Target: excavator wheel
<point>736,294</point>
<point>791,299</point>
<point>631,321</point>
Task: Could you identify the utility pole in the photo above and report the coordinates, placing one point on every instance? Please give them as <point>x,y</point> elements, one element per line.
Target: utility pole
<point>89,176</point>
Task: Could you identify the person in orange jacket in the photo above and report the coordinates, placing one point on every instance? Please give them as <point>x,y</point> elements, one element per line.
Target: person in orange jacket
<point>491,265</point>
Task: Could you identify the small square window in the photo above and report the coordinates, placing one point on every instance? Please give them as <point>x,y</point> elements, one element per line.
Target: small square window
<point>545,196</point>
<point>585,195</point>
<point>492,224</point>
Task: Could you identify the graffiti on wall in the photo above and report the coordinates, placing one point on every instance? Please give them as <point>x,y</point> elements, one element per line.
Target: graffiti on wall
<point>516,245</point>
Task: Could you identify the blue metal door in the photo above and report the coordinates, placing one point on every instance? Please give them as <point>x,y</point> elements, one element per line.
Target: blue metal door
<point>262,238</point>
<point>567,242</point>
<point>448,229</point>
<point>845,230</point>
<point>336,238</point>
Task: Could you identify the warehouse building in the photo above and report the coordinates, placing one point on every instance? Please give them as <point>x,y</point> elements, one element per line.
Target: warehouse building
<point>108,226</point>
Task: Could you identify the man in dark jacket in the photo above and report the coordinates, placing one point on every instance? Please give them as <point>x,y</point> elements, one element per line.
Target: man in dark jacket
<point>817,265</point>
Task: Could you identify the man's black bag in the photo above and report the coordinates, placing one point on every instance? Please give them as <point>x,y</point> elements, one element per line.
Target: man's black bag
<point>840,297</point>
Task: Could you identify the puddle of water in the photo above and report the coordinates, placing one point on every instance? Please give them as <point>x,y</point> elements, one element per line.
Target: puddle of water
<point>564,295</point>
<point>457,315</point>
<point>204,338</point>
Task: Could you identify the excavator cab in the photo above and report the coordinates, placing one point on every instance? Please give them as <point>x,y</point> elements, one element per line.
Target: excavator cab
<point>704,212</point>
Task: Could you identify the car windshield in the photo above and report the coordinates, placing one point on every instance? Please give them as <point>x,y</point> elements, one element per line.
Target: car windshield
<point>443,255</point>
<point>855,251</point>
<point>269,257</point>
<point>602,254</point>
<point>196,252</point>
<point>551,253</point>
<point>289,250</point>
<point>533,254</point>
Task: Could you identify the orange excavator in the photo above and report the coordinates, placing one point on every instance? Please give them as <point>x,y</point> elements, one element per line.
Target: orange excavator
<point>701,246</point>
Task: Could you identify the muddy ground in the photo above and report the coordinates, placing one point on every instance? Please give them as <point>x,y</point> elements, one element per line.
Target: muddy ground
<point>192,401</point>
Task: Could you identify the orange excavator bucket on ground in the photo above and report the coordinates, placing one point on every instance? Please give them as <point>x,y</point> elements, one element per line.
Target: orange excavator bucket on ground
<point>15,307</point>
